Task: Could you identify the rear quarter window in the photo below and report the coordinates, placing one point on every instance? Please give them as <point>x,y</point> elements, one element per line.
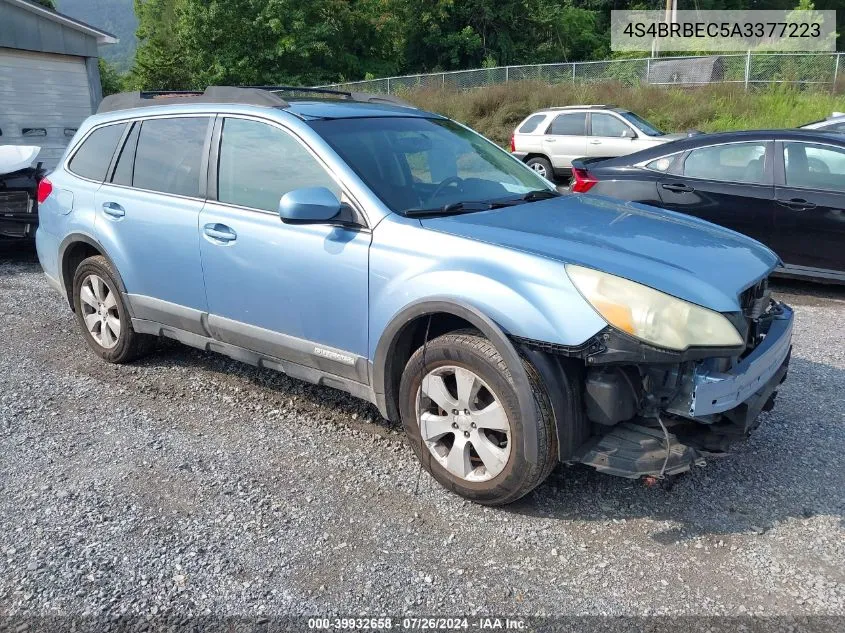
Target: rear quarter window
<point>531,123</point>
<point>92,158</point>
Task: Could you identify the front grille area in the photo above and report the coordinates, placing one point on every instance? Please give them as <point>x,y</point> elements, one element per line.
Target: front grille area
<point>755,301</point>
<point>15,204</point>
<point>757,304</point>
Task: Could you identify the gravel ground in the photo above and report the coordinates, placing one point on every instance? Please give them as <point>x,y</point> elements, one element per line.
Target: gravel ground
<point>190,484</point>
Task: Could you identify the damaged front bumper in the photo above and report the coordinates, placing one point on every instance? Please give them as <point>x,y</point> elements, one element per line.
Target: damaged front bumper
<point>687,410</point>
<point>750,382</point>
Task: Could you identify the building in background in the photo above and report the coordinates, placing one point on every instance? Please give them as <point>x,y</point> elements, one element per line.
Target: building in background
<point>49,76</point>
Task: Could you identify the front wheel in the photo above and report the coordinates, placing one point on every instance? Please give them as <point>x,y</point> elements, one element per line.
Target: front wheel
<point>461,413</point>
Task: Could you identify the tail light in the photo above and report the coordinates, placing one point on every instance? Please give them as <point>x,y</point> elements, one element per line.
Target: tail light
<point>45,188</point>
<point>513,142</point>
<point>583,181</point>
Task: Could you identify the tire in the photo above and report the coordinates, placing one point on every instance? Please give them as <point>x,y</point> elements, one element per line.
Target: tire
<point>103,306</point>
<point>504,474</point>
<point>543,167</point>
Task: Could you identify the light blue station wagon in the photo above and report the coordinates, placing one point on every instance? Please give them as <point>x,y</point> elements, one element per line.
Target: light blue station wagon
<point>362,244</point>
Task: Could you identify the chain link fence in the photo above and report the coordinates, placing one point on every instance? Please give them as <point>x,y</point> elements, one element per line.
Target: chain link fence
<point>750,69</point>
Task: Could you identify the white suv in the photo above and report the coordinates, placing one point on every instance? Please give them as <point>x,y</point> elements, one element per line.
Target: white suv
<point>550,139</point>
<point>834,123</point>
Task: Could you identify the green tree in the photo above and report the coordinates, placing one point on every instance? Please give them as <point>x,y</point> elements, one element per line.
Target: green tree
<point>110,79</point>
<point>194,43</point>
<point>159,59</point>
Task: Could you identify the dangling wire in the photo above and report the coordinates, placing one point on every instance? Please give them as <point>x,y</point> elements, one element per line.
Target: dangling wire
<point>665,435</point>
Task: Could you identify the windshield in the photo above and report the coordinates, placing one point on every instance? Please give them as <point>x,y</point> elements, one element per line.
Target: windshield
<point>419,164</point>
<point>642,124</point>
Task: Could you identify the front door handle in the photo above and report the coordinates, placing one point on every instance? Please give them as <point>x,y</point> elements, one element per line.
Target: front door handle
<point>595,142</point>
<point>220,233</point>
<point>799,204</point>
<point>678,188</point>
<point>550,140</point>
<point>113,209</point>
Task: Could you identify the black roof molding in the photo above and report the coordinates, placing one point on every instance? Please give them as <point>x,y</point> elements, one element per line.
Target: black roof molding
<point>212,94</point>
<point>369,97</point>
<point>267,96</point>
<point>361,97</point>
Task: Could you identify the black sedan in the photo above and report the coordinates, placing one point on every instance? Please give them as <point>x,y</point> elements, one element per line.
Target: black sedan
<point>785,188</point>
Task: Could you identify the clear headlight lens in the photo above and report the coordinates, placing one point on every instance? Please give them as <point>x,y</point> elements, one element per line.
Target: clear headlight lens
<point>651,315</point>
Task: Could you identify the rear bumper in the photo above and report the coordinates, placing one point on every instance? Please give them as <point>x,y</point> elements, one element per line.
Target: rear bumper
<point>751,380</point>
<point>520,155</point>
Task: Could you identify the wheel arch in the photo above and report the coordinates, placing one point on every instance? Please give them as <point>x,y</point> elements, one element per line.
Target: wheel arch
<point>441,315</point>
<point>531,155</point>
<point>73,250</point>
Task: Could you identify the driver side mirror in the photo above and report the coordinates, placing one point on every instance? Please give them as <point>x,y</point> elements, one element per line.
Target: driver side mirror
<point>313,205</point>
<point>629,133</point>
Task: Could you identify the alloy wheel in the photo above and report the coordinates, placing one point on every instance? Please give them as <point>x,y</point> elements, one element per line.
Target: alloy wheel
<point>539,168</point>
<point>463,423</point>
<point>99,311</point>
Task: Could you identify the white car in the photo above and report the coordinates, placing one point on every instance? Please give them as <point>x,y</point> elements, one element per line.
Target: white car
<point>549,140</point>
<point>834,123</point>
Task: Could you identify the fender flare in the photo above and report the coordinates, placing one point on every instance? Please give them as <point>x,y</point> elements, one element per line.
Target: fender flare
<point>488,328</point>
<point>75,238</point>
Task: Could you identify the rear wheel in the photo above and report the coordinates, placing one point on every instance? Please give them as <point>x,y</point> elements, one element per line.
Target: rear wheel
<point>542,167</point>
<point>461,414</point>
<point>102,314</point>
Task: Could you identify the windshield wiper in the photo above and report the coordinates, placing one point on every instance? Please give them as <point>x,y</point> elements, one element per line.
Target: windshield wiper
<point>531,196</point>
<point>453,208</point>
<point>540,194</point>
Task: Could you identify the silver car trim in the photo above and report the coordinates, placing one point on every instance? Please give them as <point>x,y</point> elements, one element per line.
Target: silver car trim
<point>314,375</point>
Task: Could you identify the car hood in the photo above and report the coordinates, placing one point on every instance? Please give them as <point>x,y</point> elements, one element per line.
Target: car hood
<point>668,138</point>
<point>676,254</point>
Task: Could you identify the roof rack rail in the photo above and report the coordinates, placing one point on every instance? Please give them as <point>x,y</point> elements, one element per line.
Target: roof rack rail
<point>363,97</point>
<point>212,94</point>
<point>584,107</point>
<point>249,95</point>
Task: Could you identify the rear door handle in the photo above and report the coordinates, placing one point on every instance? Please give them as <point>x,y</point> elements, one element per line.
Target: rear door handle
<point>678,188</point>
<point>113,209</point>
<point>220,233</point>
<point>799,204</point>
<point>550,140</point>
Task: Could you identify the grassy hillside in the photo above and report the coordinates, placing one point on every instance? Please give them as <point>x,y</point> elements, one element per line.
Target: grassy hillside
<point>495,111</point>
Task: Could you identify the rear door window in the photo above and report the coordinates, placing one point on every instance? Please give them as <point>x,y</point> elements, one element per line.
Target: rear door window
<point>94,155</point>
<point>814,166</point>
<point>573,124</point>
<point>731,162</point>
<point>126,159</point>
<point>169,155</point>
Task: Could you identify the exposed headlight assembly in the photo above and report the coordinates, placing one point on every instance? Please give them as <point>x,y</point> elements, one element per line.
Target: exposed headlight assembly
<point>651,315</point>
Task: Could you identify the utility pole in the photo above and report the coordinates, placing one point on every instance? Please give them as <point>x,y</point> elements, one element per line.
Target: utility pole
<point>670,16</point>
